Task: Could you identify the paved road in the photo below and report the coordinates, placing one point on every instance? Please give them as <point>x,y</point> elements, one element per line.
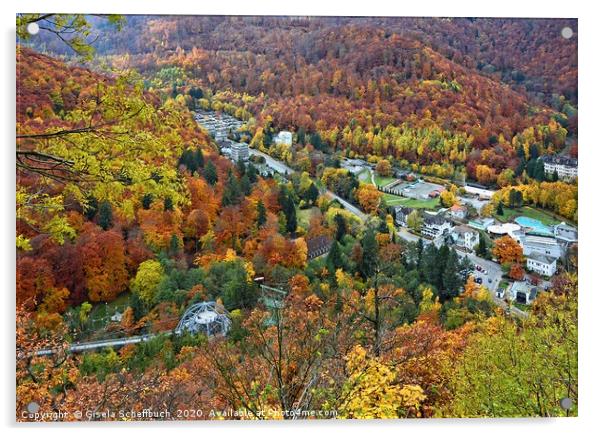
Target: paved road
<point>350,207</point>
<point>276,165</point>
<point>494,271</point>
<point>404,234</point>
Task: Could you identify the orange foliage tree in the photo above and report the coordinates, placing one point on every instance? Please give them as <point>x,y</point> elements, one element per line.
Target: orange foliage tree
<point>104,262</point>
<point>368,196</point>
<point>507,250</point>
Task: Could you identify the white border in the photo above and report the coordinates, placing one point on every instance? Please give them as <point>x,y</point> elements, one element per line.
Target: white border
<point>590,132</point>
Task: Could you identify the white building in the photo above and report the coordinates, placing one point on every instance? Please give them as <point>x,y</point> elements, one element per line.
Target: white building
<point>565,167</point>
<point>458,212</point>
<point>466,237</point>
<point>544,265</point>
<point>546,246</point>
<point>284,137</point>
<point>564,232</point>
<point>221,134</point>
<point>435,226</point>
<point>522,292</point>
<point>484,194</point>
<point>240,151</point>
<point>401,215</point>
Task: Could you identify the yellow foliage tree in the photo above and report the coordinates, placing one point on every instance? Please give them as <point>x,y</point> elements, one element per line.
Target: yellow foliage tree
<point>371,391</point>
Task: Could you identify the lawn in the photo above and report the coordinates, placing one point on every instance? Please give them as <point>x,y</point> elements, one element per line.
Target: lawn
<point>383,181</point>
<point>545,217</point>
<point>364,176</point>
<point>394,200</point>
<point>100,313</point>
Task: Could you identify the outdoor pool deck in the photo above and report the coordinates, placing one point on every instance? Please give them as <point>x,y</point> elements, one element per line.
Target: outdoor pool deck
<point>533,225</point>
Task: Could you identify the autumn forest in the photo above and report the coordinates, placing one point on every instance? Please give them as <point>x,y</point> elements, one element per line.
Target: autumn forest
<point>295,217</point>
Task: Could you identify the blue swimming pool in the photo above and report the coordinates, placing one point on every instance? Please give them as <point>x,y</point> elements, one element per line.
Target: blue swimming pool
<point>534,225</point>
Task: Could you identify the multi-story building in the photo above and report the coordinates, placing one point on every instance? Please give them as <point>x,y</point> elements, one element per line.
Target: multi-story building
<point>240,152</point>
<point>466,237</point>
<point>435,226</point>
<point>458,211</point>
<point>543,245</point>
<point>541,264</point>
<point>565,167</point>
<point>401,215</point>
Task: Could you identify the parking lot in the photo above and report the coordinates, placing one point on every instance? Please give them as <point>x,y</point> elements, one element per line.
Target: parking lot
<point>489,272</point>
<point>474,202</point>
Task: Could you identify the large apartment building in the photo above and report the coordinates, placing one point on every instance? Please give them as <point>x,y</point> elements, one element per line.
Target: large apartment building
<point>240,151</point>
<point>565,167</point>
<point>434,226</point>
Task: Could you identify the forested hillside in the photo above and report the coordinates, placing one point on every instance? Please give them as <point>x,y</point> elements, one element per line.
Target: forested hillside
<point>501,86</point>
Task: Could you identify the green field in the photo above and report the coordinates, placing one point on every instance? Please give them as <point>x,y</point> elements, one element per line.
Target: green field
<point>383,181</point>
<point>394,200</point>
<point>364,176</point>
<point>101,311</point>
<point>538,214</point>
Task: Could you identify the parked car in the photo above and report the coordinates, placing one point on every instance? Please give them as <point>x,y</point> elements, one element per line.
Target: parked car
<point>479,280</point>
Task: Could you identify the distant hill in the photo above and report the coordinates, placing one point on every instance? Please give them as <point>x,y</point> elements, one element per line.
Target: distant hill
<point>483,90</point>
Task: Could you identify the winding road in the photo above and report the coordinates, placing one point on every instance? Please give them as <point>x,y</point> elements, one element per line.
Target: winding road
<point>281,168</point>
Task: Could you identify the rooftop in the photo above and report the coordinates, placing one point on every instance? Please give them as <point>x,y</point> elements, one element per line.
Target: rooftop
<point>541,258</point>
<point>461,230</point>
<point>403,209</point>
<point>434,220</point>
<point>525,288</point>
<point>560,160</point>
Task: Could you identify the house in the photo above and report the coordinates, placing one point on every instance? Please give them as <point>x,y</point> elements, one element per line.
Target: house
<point>565,167</point>
<point>401,215</point>
<point>318,246</point>
<point>481,223</point>
<point>284,137</point>
<point>435,226</point>
<point>541,264</point>
<point>522,292</point>
<point>458,211</point>
<point>466,237</point>
<point>240,152</point>
<point>565,233</point>
<point>500,293</point>
<point>545,245</point>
